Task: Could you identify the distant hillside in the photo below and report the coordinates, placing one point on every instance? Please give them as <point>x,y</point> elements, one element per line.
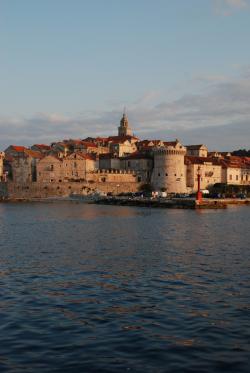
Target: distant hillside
<point>241,152</point>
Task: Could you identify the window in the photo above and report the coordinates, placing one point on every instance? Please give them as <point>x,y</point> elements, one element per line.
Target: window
<point>166,174</point>
<point>159,174</point>
<point>51,167</point>
<point>230,177</point>
<point>237,177</point>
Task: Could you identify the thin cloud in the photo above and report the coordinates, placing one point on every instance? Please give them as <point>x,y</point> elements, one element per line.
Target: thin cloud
<point>227,7</point>
<point>218,115</point>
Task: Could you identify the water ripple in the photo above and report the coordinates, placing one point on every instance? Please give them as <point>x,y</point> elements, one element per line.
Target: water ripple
<point>89,288</point>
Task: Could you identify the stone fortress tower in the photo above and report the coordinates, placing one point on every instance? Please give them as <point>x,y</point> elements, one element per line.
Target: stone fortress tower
<point>169,173</point>
<point>124,129</point>
<point>1,164</point>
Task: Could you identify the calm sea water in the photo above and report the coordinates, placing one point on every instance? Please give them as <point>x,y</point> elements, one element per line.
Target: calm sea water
<point>87,288</point>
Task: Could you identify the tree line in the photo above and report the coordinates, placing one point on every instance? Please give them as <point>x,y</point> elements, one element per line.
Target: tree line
<point>241,153</point>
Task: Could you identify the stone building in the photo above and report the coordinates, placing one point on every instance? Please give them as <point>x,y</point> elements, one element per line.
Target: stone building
<point>122,146</point>
<point>245,171</point>
<point>49,169</point>
<point>197,150</point>
<point>42,148</point>
<point>141,163</point>
<point>14,150</point>
<point>146,145</point>
<point>60,149</point>
<point>236,170</point>
<point>73,167</point>
<point>109,161</point>
<point>76,165</point>
<point>169,173</point>
<point>23,166</point>
<point>209,169</point>
<point>85,146</point>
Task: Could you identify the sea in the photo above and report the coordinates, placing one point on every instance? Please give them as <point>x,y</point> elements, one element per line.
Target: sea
<point>90,288</point>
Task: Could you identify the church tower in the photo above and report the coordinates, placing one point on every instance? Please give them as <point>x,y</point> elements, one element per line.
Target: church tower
<point>124,129</point>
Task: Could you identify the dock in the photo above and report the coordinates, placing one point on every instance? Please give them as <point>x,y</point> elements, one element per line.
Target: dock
<point>176,203</point>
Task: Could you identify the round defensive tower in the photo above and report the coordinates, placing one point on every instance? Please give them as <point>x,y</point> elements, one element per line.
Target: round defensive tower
<point>2,154</point>
<point>169,171</point>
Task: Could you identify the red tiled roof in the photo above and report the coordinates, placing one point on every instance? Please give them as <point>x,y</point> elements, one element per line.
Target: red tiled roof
<point>18,148</point>
<point>121,138</point>
<point>137,155</point>
<point>60,143</point>
<point>170,143</point>
<point>33,153</point>
<point>88,156</point>
<point>195,147</point>
<point>156,142</point>
<point>145,143</point>
<point>89,144</point>
<point>235,162</point>
<point>84,155</point>
<point>104,139</point>
<point>72,141</point>
<point>106,156</point>
<point>189,159</point>
<point>43,146</point>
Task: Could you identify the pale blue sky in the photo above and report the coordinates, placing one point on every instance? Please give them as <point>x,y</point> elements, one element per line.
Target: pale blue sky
<point>69,66</point>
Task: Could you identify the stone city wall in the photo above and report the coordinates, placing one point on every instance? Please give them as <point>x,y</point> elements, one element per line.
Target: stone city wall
<point>64,189</point>
<point>3,190</point>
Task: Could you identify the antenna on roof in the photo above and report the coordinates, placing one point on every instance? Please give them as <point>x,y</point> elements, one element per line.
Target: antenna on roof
<point>124,110</point>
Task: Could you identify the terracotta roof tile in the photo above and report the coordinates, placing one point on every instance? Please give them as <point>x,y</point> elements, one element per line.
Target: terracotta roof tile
<point>189,159</point>
<point>18,148</point>
<point>43,146</point>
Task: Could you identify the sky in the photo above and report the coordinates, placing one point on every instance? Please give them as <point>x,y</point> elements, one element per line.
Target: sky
<point>181,68</point>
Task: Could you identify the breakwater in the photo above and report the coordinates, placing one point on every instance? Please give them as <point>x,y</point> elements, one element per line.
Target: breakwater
<point>179,203</point>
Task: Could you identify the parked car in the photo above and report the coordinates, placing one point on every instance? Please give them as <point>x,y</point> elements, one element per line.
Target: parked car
<point>241,195</point>
<point>181,195</point>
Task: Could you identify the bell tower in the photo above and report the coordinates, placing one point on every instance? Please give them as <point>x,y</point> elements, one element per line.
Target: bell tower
<point>124,129</point>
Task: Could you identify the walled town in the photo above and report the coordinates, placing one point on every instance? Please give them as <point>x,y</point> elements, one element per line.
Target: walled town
<point>116,164</point>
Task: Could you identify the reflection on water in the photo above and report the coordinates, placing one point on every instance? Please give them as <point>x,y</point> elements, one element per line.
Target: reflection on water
<point>90,288</point>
